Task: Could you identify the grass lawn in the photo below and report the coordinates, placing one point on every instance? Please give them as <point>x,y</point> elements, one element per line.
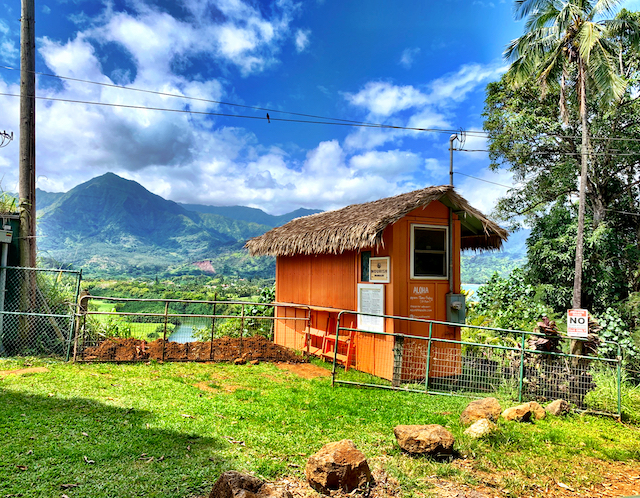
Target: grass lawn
<point>169,430</point>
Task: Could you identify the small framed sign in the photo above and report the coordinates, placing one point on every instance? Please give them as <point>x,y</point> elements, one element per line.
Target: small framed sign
<point>371,300</point>
<point>379,269</point>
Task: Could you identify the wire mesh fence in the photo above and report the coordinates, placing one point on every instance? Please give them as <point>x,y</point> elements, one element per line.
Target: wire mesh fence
<point>121,329</point>
<point>505,364</point>
<point>37,310</point>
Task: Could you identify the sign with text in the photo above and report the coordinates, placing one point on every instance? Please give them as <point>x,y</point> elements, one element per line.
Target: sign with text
<point>577,323</point>
<point>421,300</point>
<point>371,300</point>
<point>379,269</point>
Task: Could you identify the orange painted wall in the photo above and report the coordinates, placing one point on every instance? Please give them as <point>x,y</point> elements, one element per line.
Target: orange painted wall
<point>330,281</point>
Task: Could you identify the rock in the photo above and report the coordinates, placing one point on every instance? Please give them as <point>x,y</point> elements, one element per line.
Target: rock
<point>488,408</point>
<point>558,407</point>
<point>480,428</point>
<point>430,439</point>
<point>536,410</point>
<point>232,484</point>
<point>520,413</point>
<point>338,465</point>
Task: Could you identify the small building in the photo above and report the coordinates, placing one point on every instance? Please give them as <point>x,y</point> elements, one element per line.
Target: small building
<point>398,256</point>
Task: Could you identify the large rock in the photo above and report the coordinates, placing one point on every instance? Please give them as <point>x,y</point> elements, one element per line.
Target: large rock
<point>338,465</point>
<point>558,407</point>
<point>430,439</point>
<point>520,413</point>
<point>537,411</point>
<point>232,484</point>
<point>488,408</point>
<point>480,428</point>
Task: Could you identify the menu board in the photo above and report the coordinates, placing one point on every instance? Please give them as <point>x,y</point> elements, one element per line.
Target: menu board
<point>421,301</point>
<point>371,300</point>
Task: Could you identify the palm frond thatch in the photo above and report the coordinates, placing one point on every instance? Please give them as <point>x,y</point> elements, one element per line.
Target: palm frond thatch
<point>361,226</point>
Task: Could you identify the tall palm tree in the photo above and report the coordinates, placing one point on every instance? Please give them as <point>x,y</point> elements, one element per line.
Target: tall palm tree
<point>569,44</point>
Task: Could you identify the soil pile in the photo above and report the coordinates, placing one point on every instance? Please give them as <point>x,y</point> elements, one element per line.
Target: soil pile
<point>223,349</point>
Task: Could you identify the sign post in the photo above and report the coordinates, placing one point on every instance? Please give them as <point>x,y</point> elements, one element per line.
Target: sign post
<point>578,323</point>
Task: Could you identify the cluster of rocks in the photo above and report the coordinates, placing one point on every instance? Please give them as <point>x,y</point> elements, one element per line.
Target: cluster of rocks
<point>484,413</point>
<point>341,466</point>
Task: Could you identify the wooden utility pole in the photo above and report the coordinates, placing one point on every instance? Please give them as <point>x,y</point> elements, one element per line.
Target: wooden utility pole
<point>27,182</point>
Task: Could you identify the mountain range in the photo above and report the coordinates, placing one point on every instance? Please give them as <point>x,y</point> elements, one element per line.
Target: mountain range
<point>113,227</point>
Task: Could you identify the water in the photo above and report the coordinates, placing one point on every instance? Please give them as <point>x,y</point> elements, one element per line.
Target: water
<point>182,334</point>
<point>471,287</point>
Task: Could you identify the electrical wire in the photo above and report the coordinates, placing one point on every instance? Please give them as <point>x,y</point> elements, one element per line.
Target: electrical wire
<point>188,111</point>
<point>483,180</point>
<point>265,109</point>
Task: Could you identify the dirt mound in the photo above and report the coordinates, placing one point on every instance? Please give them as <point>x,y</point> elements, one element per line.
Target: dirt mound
<point>224,349</point>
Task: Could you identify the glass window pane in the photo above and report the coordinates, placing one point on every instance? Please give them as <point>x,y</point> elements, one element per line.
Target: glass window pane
<point>429,265</point>
<point>429,239</point>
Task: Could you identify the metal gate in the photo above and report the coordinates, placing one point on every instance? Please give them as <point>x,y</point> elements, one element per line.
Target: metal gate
<point>37,311</point>
<point>504,364</point>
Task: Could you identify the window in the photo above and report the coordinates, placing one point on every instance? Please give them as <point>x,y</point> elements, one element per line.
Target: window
<point>364,265</point>
<point>428,252</point>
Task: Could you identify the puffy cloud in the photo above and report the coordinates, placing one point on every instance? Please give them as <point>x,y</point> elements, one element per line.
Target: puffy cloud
<point>456,86</point>
<point>389,163</point>
<point>384,99</point>
<point>8,46</point>
<point>483,194</point>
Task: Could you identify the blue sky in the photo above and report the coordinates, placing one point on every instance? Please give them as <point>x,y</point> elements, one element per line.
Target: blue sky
<point>416,63</point>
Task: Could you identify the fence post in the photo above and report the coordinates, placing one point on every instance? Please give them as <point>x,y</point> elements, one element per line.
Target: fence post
<point>619,357</point>
<point>428,367</point>
<point>242,331</point>
<point>213,324</point>
<point>164,335</point>
<point>72,326</point>
<point>521,381</point>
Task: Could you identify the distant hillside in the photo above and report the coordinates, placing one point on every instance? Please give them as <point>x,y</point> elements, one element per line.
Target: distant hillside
<point>478,267</point>
<point>251,214</point>
<point>110,225</point>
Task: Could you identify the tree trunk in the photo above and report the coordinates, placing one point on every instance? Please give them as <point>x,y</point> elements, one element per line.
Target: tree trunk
<point>576,346</point>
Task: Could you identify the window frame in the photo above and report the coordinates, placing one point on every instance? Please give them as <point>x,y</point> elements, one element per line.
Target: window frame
<point>443,228</point>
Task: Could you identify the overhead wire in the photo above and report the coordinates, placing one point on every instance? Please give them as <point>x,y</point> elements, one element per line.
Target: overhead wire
<point>329,120</point>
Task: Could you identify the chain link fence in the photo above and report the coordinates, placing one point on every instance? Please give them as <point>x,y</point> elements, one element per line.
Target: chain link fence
<point>504,364</point>
<point>37,310</point>
<point>122,329</point>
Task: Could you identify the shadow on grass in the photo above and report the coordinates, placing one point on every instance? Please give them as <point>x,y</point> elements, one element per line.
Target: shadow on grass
<point>79,447</point>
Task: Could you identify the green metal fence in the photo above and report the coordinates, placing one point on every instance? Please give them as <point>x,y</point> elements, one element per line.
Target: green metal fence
<point>504,362</point>
<point>127,329</point>
<point>37,311</point>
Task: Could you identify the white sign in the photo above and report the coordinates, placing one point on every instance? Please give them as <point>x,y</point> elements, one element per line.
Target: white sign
<point>578,323</point>
<point>371,300</point>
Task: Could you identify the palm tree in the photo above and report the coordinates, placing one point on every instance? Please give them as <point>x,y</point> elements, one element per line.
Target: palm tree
<point>567,43</point>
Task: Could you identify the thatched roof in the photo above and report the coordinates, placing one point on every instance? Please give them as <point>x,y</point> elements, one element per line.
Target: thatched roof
<point>360,226</point>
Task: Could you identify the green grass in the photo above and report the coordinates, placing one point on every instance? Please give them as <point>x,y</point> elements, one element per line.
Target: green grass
<point>149,431</point>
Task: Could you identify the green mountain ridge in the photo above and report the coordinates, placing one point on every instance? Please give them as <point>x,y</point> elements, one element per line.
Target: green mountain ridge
<point>113,227</point>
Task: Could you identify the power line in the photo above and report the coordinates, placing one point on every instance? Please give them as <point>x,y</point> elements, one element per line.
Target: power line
<point>187,111</point>
<point>483,180</point>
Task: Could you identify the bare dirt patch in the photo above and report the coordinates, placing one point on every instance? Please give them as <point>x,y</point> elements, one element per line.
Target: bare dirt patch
<point>618,480</point>
<point>223,349</point>
<point>22,371</point>
<point>305,370</point>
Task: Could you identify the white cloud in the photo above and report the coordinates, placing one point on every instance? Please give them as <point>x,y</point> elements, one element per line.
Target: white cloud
<point>46,9</point>
<point>8,46</point>
<point>483,194</point>
<point>384,99</point>
<point>302,39</point>
<point>390,164</point>
<point>408,57</point>
<point>456,86</point>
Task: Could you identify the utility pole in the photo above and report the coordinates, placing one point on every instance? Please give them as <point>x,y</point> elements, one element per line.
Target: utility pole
<point>27,182</point>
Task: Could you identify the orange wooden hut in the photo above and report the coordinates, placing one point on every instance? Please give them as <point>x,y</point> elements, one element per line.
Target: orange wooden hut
<point>398,256</point>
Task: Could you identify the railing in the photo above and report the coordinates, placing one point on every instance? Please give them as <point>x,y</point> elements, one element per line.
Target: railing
<point>506,365</point>
<point>128,329</point>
